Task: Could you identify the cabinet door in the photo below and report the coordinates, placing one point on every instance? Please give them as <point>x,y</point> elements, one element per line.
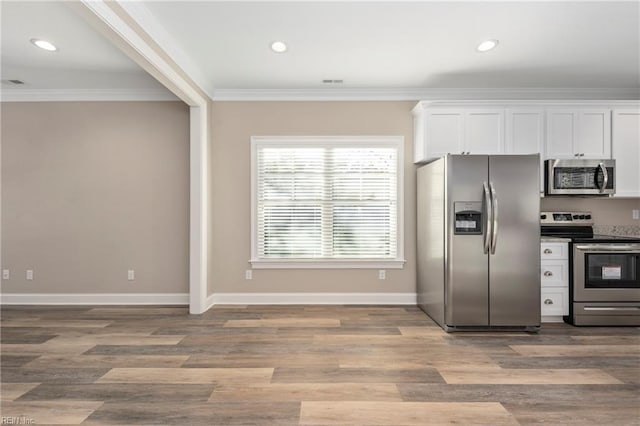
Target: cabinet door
<point>525,134</point>
<point>444,133</point>
<point>626,151</point>
<point>561,133</point>
<point>594,133</point>
<point>554,301</point>
<point>554,251</point>
<point>554,273</point>
<point>484,131</point>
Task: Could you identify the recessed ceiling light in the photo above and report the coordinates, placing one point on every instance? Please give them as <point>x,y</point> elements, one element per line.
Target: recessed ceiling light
<point>487,45</point>
<point>44,44</point>
<point>278,47</point>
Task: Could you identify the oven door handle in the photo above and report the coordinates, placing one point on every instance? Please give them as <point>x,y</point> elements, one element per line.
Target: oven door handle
<point>619,248</point>
<point>611,308</point>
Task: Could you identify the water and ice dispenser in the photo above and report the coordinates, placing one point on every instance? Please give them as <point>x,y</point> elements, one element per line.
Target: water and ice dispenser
<point>468,217</point>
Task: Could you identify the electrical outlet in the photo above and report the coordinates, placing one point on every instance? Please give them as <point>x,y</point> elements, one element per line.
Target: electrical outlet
<point>131,275</point>
<point>635,213</point>
<point>29,274</point>
<point>248,274</point>
<point>6,274</point>
<point>382,274</point>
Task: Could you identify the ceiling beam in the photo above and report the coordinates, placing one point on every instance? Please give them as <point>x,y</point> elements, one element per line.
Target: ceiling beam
<point>113,21</point>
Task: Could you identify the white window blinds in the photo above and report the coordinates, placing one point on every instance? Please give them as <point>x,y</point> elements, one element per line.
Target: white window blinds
<point>326,199</point>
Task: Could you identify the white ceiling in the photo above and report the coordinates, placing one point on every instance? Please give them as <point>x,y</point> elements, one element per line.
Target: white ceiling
<point>85,61</point>
<point>224,46</point>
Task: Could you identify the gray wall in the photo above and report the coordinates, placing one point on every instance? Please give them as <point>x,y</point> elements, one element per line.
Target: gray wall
<point>92,189</point>
<point>233,124</point>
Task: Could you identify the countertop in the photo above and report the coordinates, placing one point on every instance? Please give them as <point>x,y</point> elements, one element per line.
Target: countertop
<point>545,239</point>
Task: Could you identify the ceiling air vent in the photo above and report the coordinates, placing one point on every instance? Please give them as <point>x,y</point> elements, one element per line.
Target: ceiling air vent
<point>12,82</point>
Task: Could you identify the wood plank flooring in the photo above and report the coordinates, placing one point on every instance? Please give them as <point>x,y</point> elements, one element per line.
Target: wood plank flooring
<point>307,365</point>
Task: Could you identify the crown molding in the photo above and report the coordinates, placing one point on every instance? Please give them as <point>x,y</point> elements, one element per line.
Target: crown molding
<point>485,96</point>
<point>417,94</point>
<point>85,95</point>
<point>507,103</point>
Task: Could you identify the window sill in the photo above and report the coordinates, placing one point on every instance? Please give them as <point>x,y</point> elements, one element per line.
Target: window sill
<point>327,264</point>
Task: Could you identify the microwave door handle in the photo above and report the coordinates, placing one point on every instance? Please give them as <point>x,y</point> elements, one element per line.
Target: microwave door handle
<point>494,213</point>
<point>605,174</point>
<point>488,214</point>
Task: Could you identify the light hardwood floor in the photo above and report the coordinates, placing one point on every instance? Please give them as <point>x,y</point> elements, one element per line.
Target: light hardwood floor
<point>307,365</point>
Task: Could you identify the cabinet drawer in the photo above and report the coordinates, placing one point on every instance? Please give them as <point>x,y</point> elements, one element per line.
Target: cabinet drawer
<point>554,301</point>
<point>554,273</point>
<point>554,251</point>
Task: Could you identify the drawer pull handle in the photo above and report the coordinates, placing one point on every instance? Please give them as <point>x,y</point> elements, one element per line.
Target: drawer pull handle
<point>548,273</point>
<point>548,251</point>
<point>548,302</point>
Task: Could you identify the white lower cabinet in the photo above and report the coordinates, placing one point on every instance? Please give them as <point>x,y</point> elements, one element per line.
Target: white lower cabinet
<point>555,302</point>
<point>554,281</point>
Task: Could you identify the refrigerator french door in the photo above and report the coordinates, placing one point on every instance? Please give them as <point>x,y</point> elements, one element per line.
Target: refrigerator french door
<point>479,241</point>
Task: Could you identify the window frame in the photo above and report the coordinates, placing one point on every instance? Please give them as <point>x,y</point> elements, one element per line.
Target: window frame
<point>396,142</point>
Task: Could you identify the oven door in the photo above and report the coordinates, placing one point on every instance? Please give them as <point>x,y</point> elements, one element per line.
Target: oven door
<point>606,272</point>
<point>580,177</point>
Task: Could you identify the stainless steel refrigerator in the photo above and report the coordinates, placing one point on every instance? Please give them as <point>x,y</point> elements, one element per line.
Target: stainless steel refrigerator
<point>479,241</point>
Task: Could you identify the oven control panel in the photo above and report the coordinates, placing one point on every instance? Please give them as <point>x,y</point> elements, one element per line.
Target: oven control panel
<point>566,218</point>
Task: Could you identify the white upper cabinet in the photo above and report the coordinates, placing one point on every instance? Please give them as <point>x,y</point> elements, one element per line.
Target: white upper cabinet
<point>594,133</point>
<point>442,131</point>
<point>626,151</point>
<point>578,133</point>
<point>525,134</point>
<point>553,129</point>
<point>525,130</point>
<point>484,131</point>
<point>561,133</point>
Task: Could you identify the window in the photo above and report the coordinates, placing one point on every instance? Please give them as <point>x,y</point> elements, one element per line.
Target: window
<point>327,202</point>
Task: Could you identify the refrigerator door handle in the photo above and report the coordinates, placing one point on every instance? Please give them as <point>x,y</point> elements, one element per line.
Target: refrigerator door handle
<point>488,216</point>
<point>494,214</point>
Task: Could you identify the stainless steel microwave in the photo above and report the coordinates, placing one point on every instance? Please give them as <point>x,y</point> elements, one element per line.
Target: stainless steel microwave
<point>580,177</point>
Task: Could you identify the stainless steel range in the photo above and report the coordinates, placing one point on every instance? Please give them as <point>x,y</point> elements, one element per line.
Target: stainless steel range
<point>604,272</point>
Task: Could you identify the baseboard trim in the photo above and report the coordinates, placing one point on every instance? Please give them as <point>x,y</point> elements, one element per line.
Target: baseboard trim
<point>312,299</point>
<point>94,299</point>
<point>209,302</point>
